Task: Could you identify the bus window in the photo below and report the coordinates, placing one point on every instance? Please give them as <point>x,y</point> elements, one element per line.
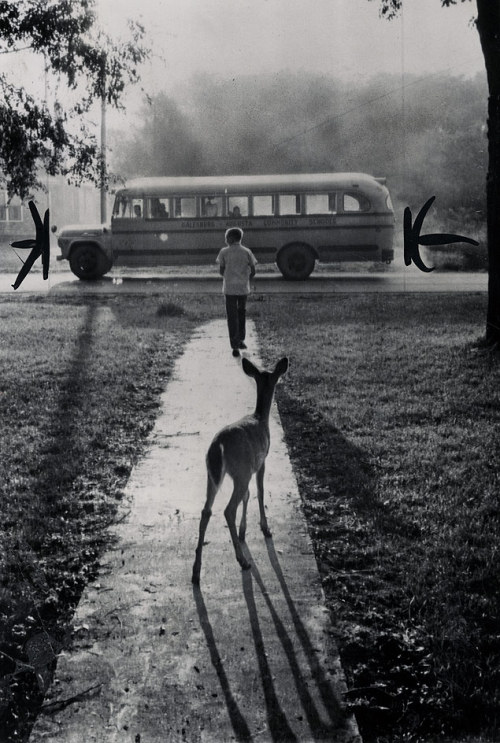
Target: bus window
<point>185,206</point>
<point>127,208</point>
<point>263,206</point>
<point>289,203</point>
<point>156,208</point>
<point>119,206</point>
<point>320,203</point>
<point>356,202</point>
<point>237,206</point>
<point>211,206</point>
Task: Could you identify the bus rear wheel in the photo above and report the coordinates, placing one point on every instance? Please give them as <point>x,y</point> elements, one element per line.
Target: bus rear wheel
<point>88,262</point>
<point>296,262</point>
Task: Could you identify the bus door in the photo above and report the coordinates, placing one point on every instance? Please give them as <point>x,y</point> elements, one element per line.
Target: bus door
<point>128,231</point>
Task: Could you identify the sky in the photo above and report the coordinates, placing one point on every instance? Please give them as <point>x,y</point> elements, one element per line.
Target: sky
<point>232,38</point>
<point>346,38</point>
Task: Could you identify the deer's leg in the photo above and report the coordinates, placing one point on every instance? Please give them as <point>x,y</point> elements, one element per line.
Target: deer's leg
<point>205,518</point>
<point>260,495</point>
<point>243,522</point>
<point>239,492</point>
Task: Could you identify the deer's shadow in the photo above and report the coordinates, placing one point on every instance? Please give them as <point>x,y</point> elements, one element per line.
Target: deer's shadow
<point>319,701</point>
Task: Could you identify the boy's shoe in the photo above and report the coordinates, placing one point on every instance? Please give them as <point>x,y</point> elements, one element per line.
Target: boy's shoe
<point>236,352</point>
<point>241,345</point>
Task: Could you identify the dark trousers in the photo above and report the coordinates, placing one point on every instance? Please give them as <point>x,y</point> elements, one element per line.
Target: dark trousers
<point>236,314</point>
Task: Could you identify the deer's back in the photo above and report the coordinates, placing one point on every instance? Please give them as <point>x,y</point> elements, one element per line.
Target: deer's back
<point>245,444</point>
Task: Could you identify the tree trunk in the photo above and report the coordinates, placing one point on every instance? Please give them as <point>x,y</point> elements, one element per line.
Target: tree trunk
<point>493,220</point>
<point>488,26</point>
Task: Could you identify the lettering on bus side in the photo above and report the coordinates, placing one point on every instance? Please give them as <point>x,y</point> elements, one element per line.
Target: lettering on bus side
<point>204,224</point>
<point>208,223</point>
<point>281,222</point>
<point>239,223</point>
<point>322,221</point>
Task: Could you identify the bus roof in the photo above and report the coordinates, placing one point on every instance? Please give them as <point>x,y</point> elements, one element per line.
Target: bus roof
<point>219,184</point>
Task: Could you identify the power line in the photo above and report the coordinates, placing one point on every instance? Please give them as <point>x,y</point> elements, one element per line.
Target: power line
<point>329,119</point>
<point>14,51</point>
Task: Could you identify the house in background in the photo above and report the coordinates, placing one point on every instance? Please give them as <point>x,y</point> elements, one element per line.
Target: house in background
<point>67,204</point>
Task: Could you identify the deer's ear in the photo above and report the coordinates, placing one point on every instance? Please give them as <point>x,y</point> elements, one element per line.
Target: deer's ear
<point>249,368</point>
<point>281,366</point>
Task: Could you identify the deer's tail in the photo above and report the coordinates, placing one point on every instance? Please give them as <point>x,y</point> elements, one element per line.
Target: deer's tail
<point>215,462</point>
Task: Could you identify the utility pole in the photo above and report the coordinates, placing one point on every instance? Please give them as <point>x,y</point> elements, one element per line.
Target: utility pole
<point>104,196</point>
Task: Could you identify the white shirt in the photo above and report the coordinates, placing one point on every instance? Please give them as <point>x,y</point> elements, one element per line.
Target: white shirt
<point>237,262</point>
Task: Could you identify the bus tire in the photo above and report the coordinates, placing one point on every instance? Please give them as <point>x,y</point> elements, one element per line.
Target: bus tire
<point>296,261</point>
<point>88,262</point>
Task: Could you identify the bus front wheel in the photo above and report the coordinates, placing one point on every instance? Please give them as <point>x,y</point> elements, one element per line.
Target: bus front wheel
<point>296,262</point>
<point>88,262</point>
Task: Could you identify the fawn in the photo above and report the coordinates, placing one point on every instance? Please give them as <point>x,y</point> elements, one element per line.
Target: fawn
<point>240,450</point>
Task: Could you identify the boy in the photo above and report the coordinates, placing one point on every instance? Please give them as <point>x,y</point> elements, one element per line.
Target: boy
<point>237,267</point>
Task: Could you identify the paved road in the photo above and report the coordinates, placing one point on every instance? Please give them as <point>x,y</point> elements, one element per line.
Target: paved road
<point>410,280</point>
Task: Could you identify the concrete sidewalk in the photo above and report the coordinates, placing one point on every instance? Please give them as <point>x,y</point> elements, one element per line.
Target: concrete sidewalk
<point>247,655</point>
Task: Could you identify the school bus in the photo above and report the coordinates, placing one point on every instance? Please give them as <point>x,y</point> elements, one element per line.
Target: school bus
<point>290,220</point>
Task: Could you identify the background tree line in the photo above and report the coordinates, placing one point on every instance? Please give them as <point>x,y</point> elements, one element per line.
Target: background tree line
<point>427,136</point>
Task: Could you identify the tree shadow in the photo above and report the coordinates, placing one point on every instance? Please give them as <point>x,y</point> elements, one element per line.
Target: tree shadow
<point>33,672</point>
<point>340,470</point>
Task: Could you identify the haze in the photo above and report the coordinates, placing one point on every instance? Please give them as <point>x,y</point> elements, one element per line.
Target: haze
<point>229,39</point>
<point>344,38</point>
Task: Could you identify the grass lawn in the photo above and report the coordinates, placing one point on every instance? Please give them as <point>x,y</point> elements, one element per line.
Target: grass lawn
<point>79,391</point>
<point>392,420</point>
